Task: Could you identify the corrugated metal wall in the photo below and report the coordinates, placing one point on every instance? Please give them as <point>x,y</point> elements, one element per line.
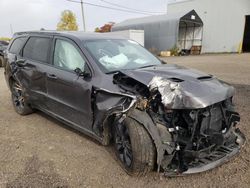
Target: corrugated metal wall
<point>162,31</point>
<point>224,22</point>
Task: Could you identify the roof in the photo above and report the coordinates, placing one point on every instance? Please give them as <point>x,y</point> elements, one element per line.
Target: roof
<point>76,34</point>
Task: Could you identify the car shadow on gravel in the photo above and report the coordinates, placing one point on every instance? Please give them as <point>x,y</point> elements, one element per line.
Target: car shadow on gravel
<point>61,124</point>
<point>110,148</point>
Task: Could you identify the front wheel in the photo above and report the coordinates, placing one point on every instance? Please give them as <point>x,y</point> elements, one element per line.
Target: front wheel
<point>134,147</point>
<point>18,99</point>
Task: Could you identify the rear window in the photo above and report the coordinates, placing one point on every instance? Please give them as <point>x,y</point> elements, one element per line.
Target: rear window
<point>37,49</point>
<point>17,45</point>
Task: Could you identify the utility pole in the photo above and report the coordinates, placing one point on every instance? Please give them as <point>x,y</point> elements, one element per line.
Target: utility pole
<point>11,29</point>
<point>83,17</point>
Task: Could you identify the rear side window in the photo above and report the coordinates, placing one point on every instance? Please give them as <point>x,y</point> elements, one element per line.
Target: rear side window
<point>17,45</point>
<point>37,49</point>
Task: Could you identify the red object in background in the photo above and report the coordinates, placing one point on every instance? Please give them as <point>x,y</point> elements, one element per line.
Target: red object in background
<point>106,28</point>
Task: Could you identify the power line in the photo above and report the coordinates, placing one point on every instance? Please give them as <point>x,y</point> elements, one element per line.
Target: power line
<point>118,5</point>
<point>112,8</point>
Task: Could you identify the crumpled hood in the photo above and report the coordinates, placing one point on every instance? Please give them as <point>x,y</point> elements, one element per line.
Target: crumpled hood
<point>182,88</point>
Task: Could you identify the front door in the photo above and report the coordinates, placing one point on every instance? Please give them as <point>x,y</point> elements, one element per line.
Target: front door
<point>69,96</point>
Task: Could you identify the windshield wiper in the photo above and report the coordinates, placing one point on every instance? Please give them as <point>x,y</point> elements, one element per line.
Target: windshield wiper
<point>146,66</point>
<point>116,71</point>
<point>113,72</point>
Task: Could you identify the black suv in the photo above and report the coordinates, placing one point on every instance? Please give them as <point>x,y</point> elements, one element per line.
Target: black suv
<point>158,116</point>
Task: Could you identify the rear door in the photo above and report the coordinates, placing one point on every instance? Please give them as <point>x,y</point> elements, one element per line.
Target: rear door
<point>33,75</point>
<point>13,53</point>
<point>69,96</point>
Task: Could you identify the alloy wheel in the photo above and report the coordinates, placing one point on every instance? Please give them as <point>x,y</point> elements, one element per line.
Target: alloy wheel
<point>123,144</point>
<point>17,95</point>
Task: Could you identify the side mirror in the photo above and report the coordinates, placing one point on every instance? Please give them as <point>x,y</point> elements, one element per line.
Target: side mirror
<point>20,62</point>
<point>85,74</point>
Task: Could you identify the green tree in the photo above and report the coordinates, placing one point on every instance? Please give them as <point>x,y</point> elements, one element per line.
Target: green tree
<point>67,22</point>
<point>5,38</point>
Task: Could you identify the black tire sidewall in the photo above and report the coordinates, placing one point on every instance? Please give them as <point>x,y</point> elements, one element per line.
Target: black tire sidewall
<point>129,170</point>
<point>136,143</point>
<point>1,61</point>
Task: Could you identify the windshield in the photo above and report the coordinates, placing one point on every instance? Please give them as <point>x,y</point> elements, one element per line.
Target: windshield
<point>115,54</point>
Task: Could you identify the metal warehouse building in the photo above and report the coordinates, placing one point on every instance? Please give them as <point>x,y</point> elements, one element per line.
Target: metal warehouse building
<point>163,32</point>
<point>226,23</point>
<point>216,25</point>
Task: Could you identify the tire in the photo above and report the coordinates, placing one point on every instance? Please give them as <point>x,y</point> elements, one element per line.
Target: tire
<point>1,61</point>
<point>18,100</point>
<point>138,145</point>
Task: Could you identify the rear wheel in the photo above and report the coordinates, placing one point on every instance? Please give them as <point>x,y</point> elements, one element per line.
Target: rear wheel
<point>134,147</point>
<point>1,61</point>
<point>20,104</point>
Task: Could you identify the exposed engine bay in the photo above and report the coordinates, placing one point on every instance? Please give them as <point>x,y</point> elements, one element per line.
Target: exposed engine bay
<point>190,134</point>
<point>197,136</point>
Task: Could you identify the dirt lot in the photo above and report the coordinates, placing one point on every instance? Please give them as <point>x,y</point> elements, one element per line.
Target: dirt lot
<point>37,151</point>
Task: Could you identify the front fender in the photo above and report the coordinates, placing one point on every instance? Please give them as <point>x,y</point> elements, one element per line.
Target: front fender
<point>144,119</point>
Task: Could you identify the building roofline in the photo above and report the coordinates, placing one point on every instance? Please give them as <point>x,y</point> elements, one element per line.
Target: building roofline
<point>179,2</point>
<point>135,22</point>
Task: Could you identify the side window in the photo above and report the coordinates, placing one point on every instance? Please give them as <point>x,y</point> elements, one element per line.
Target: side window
<point>37,49</point>
<point>17,45</point>
<point>67,56</point>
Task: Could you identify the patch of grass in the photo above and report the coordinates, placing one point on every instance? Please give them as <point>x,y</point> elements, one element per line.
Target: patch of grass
<point>174,51</point>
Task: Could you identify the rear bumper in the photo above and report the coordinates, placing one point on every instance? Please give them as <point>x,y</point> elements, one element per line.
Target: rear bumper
<point>216,158</point>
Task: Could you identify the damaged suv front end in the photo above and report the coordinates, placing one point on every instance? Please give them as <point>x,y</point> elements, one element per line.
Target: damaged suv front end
<point>190,116</point>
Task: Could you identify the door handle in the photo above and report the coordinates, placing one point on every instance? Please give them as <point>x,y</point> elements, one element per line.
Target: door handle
<point>52,76</point>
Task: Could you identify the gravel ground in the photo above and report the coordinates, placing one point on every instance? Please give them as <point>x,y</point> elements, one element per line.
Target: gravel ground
<point>37,151</point>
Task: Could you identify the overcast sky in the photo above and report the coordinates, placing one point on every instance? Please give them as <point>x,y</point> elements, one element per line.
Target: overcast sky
<point>35,14</point>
